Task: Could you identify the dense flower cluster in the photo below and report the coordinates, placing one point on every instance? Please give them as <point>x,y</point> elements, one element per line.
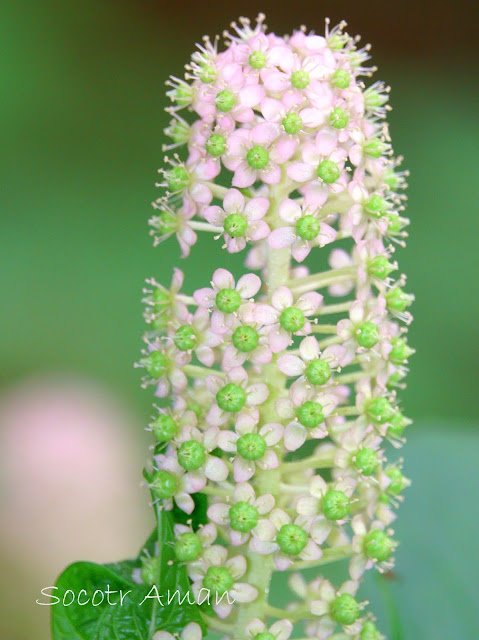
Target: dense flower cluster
<point>282,401</point>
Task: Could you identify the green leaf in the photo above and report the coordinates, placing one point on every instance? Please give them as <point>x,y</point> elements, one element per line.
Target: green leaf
<point>122,609</point>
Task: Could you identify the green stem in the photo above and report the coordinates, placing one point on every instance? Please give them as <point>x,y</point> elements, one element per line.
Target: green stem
<point>323,460</point>
<point>329,555</point>
<point>300,613</point>
<point>260,568</point>
<point>204,226</point>
<point>334,308</point>
<point>324,328</point>
<point>194,371</point>
<point>322,279</point>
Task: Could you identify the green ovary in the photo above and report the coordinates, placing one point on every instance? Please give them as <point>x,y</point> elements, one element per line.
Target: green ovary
<point>318,372</point>
<point>228,300</point>
<point>328,171</point>
<point>257,157</point>
<point>308,227</point>
<point>185,338</point>
<point>245,339</point>
<point>235,225</point>
<point>310,414</point>
<point>231,398</point>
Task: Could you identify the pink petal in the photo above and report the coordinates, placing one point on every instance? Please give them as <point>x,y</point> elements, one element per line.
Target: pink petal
<point>251,95</point>
<point>276,81</point>
<point>271,174</point>
<point>234,245</point>
<point>300,171</point>
<point>289,210</point>
<point>232,358</point>
<point>339,258</point>
<point>272,109</point>
<point>283,149</point>
<point>205,355</point>
<point>205,297</point>
<point>227,441</point>
<point>248,285</point>
<point>265,314</point>
<point>256,208</point>
<point>243,592</point>
<point>223,279</point>
<point>279,340</point>
<point>238,375</point>
<point>201,194</point>
<point>298,393</point>
<point>312,117</point>
<point>301,249</point>
<point>257,393</point>
<point>262,355</point>
<point>265,133</point>
<point>326,141</point>
<point>294,436</point>
<point>269,460</point>
<point>309,348</point>
<point>244,176</point>
<point>334,355</point>
<point>259,230</point>
<point>309,302</point>
<point>216,469</point>
<point>220,322</point>
<point>185,502</point>
<point>281,56</point>
<point>272,432</point>
<point>194,481</point>
<point>233,201</point>
<point>315,194</point>
<point>326,234</point>
<point>219,513</point>
<point>282,237</point>
<point>357,312</point>
<point>291,365</point>
<point>243,470</point>
<point>282,297</point>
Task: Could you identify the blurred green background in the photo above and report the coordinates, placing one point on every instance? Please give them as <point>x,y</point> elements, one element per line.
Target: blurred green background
<point>82,124</point>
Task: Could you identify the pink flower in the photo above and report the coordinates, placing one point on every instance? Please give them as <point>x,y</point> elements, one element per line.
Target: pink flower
<point>296,432</point>
<point>229,301</point>
<point>202,339</point>
<point>358,217</point>
<point>282,560</point>
<point>186,482</point>
<point>239,220</point>
<point>322,168</point>
<point>164,367</point>
<point>262,440</point>
<point>241,396</point>
<point>276,316</point>
<point>248,342</point>
<point>294,77</point>
<point>168,222</point>
<point>240,592</point>
<point>305,230</point>
<point>310,506</point>
<point>220,513</point>
<point>350,329</point>
<point>252,155</point>
<point>311,365</point>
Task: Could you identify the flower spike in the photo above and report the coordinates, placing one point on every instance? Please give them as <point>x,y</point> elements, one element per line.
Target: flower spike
<point>280,387</point>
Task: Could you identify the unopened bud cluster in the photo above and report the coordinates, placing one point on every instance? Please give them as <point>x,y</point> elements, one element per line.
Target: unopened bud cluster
<point>281,387</point>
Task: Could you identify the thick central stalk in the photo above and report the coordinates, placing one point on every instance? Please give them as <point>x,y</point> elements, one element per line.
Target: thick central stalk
<point>260,567</point>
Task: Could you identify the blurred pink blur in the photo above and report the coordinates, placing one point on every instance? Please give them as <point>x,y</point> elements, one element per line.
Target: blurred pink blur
<point>70,471</point>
